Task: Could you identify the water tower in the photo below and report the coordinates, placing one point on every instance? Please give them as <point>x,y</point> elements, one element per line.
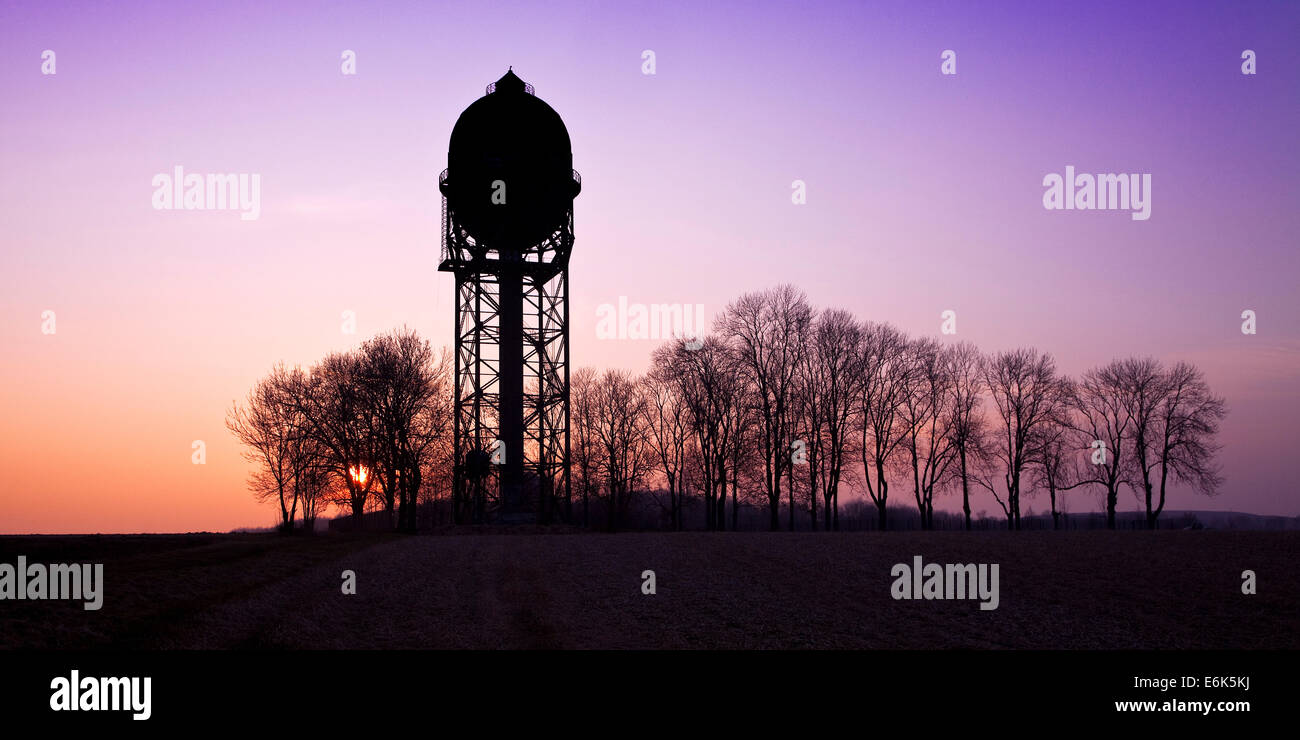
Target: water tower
<point>507,230</point>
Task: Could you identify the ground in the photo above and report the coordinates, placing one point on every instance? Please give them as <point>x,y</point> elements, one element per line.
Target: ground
<point>1070,590</point>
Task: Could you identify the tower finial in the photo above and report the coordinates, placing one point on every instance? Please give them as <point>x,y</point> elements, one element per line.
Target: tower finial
<point>510,82</point>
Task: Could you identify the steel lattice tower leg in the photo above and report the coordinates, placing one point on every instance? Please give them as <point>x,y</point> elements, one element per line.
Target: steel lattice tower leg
<point>529,410</point>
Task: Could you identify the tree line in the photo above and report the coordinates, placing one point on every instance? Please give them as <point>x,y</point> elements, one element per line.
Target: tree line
<point>784,405</point>
<point>780,406</point>
<point>365,428</point>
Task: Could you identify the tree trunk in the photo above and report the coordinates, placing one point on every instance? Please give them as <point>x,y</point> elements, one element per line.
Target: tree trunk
<point>965,489</point>
<point>791,476</point>
<point>1015,504</point>
<point>735,508</point>
<point>286,523</point>
<point>776,496</point>
<point>710,509</point>
<point>812,492</point>
<point>1051,497</point>
<point>1151,515</point>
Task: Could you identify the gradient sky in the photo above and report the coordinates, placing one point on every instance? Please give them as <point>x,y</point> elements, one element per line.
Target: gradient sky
<point>924,194</point>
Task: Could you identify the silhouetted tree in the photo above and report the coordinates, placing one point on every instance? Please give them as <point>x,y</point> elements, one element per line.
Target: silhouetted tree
<point>966,421</point>
<point>926,419</point>
<point>623,435</point>
<point>313,483</point>
<point>437,477</point>
<point>584,446</point>
<point>808,425</point>
<point>1175,421</point>
<point>705,373</point>
<point>885,379</point>
<point>343,422</point>
<point>1102,417</point>
<point>271,430</point>
<point>1056,449</point>
<point>407,393</point>
<point>1025,391</point>
<point>742,451</point>
<point>768,331</point>
<point>668,419</point>
<point>832,370</point>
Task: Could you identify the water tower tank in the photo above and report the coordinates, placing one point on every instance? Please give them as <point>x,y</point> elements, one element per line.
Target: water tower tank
<point>512,145</point>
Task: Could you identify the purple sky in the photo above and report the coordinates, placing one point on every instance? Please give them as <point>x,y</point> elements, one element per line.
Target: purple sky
<point>924,194</point>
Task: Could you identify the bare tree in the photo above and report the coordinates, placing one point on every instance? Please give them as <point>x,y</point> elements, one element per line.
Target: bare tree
<point>926,418</point>
<point>429,439</point>
<point>1025,390</point>
<point>707,380</point>
<point>270,429</point>
<point>1174,432</point>
<point>830,380</point>
<point>1103,419</point>
<point>1144,391</point>
<point>437,478</point>
<point>267,487</point>
<point>584,448</point>
<point>768,331</point>
<point>1056,448</point>
<point>741,441</point>
<point>312,482</point>
<point>624,439</point>
<point>407,395</point>
<point>808,425</point>
<point>341,420</point>
<point>966,421</point>
<point>881,430</point>
<point>667,418</point>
